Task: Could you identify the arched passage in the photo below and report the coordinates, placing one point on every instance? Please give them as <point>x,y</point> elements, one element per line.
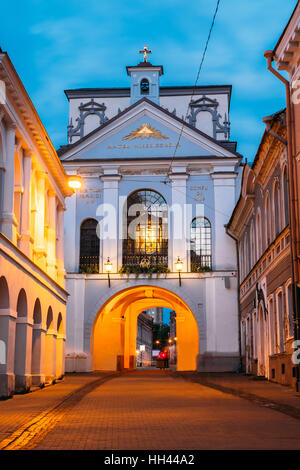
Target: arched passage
<point>23,341</point>
<point>4,321</point>
<point>113,337</point>
<point>50,352</point>
<point>37,344</point>
<point>60,348</point>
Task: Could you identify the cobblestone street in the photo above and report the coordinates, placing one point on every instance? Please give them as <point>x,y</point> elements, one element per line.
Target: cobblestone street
<point>141,410</point>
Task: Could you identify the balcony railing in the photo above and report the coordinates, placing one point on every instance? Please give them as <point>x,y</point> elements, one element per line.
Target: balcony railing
<point>89,264</point>
<point>200,262</point>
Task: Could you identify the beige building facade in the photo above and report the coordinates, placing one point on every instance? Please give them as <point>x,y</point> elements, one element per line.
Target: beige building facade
<point>33,298</point>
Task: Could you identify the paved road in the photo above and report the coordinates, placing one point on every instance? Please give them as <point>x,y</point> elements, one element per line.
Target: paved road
<point>151,410</point>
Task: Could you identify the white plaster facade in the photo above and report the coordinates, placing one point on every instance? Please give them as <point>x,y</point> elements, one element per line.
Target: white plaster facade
<point>33,298</point>
<point>202,179</point>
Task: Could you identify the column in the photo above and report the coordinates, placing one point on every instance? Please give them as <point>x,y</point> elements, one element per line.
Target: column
<point>224,254</point>
<point>26,209</point>
<point>60,355</point>
<point>38,355</point>
<point>50,356</point>
<point>7,216</point>
<point>7,343</point>
<point>60,246</point>
<point>23,349</point>
<point>109,223</point>
<point>40,249</point>
<point>177,228</point>
<point>51,245</point>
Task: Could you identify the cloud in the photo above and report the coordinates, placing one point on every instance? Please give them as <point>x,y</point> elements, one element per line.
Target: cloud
<point>74,44</point>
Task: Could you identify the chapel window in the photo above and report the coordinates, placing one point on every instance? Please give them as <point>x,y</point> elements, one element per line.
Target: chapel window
<point>145,241</point>
<point>145,86</point>
<point>89,247</point>
<point>200,244</point>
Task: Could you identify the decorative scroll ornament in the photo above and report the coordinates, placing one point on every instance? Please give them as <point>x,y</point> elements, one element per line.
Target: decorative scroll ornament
<point>145,131</point>
<point>145,263</point>
<point>85,110</point>
<point>207,104</point>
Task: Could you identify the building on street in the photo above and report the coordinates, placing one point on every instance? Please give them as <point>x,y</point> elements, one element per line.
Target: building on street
<point>157,192</point>
<point>33,298</point>
<point>144,339</point>
<point>260,223</point>
<point>265,223</point>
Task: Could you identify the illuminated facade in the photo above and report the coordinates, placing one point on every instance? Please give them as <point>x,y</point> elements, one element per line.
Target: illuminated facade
<point>155,188</point>
<point>33,298</point>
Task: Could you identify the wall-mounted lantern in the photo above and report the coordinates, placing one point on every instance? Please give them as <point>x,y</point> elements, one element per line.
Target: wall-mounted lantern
<point>108,268</point>
<point>179,266</point>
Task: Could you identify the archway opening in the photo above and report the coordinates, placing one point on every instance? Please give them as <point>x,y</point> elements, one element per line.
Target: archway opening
<point>114,332</point>
<point>36,347</point>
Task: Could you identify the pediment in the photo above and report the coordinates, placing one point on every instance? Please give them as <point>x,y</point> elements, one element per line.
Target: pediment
<point>143,131</point>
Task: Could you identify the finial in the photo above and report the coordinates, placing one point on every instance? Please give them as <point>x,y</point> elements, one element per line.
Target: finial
<point>145,51</point>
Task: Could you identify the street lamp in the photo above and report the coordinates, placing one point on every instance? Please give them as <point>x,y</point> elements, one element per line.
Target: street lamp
<point>179,265</point>
<point>74,182</point>
<point>108,268</point>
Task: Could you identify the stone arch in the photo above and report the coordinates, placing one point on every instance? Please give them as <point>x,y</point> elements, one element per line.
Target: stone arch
<point>49,319</point>
<point>50,348</point>
<point>22,338</point>
<point>113,331</point>
<point>22,304</point>
<point>37,346</point>
<point>4,305</point>
<point>4,293</point>
<point>60,347</point>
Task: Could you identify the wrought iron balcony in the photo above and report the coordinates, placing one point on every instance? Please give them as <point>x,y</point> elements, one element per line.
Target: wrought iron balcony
<point>200,263</point>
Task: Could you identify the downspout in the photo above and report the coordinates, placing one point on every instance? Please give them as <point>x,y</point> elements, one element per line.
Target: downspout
<point>293,206</point>
<point>238,295</point>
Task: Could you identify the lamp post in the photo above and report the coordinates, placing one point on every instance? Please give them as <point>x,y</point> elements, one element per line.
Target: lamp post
<point>108,268</point>
<point>179,265</point>
<point>74,182</point>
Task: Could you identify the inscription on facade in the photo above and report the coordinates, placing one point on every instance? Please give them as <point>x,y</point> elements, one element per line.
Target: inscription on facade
<point>198,192</point>
<point>90,195</point>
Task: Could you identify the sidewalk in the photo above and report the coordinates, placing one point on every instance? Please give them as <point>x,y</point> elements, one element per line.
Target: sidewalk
<point>21,409</point>
<point>279,397</point>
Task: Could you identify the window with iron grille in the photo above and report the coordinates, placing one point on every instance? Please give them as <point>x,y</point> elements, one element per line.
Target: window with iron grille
<point>146,230</point>
<point>89,247</point>
<point>200,244</point>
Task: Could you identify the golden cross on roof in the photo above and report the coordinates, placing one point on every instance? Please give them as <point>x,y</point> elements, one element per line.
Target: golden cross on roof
<point>145,51</point>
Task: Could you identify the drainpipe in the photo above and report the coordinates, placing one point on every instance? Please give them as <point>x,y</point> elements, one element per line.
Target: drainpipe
<point>293,206</point>
<point>238,294</point>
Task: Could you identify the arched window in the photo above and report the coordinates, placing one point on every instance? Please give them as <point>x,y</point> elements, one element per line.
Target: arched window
<point>285,197</point>
<point>145,86</point>
<point>276,210</point>
<point>89,247</point>
<point>146,231</point>
<point>267,221</point>
<point>258,235</point>
<point>200,244</point>
<point>252,244</point>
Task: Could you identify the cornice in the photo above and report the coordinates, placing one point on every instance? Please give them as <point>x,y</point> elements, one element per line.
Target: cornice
<point>28,124</point>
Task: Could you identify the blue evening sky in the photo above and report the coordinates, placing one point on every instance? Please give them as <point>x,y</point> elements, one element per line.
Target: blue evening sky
<point>55,45</point>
